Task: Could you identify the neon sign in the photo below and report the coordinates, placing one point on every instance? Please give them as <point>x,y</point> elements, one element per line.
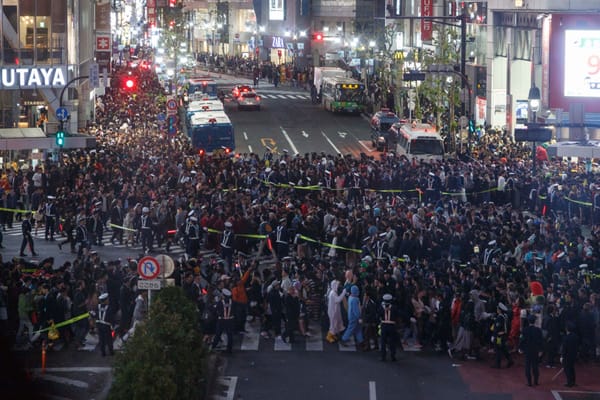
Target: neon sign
<point>19,77</point>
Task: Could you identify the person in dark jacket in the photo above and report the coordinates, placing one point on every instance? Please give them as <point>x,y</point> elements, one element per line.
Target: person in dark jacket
<point>569,354</point>
<point>551,325</point>
<point>292,314</point>
<point>275,304</point>
<point>532,344</point>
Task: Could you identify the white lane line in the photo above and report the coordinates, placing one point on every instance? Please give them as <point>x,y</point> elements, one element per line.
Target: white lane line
<point>315,341</point>
<point>250,149</point>
<point>245,136</point>
<point>280,345</point>
<point>331,143</point>
<point>372,391</point>
<point>304,134</point>
<point>370,150</point>
<point>251,337</point>
<point>287,137</point>
<point>64,381</point>
<point>350,345</point>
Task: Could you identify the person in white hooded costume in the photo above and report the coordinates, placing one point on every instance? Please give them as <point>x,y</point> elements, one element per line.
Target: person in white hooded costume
<point>336,324</point>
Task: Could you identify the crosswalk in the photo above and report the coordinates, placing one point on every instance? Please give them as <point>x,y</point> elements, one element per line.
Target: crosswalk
<point>285,96</point>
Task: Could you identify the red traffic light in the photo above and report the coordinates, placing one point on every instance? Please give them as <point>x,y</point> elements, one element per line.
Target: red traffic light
<point>129,84</point>
<point>317,36</point>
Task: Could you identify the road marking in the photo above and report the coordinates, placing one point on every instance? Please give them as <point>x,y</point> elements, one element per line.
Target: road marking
<point>270,144</point>
<point>342,134</point>
<point>280,345</point>
<point>230,382</point>
<point>315,342</point>
<point>251,337</point>
<point>96,370</point>
<point>331,143</point>
<point>287,137</point>
<point>372,391</point>
<point>304,134</point>
<point>64,381</point>
<point>250,149</point>
<point>245,135</point>
<point>350,345</point>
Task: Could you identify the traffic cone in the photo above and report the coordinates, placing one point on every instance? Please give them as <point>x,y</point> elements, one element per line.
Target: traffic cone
<point>43,357</point>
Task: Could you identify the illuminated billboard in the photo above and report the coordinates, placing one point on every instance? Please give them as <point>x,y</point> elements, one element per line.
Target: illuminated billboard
<point>276,10</point>
<point>582,63</point>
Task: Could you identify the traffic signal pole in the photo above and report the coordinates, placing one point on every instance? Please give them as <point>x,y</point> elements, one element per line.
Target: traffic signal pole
<point>62,94</point>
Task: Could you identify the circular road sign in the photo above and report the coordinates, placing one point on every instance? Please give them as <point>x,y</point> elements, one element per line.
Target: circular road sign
<point>148,267</point>
<point>171,104</point>
<point>167,266</point>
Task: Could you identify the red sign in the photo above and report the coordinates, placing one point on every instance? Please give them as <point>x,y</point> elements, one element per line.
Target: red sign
<point>279,53</point>
<point>426,24</point>
<point>102,42</point>
<point>148,267</point>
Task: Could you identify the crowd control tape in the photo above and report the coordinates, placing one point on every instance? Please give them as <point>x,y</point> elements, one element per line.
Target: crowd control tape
<point>122,227</point>
<point>65,323</point>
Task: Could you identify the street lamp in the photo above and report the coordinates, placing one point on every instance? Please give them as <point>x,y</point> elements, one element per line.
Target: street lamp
<point>534,106</point>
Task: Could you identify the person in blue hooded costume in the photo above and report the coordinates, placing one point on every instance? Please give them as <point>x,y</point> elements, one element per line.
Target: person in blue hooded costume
<point>354,321</point>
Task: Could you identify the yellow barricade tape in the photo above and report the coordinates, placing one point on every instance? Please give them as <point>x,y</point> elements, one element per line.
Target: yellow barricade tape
<point>65,323</point>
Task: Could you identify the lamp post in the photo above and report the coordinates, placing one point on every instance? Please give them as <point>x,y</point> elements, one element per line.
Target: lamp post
<point>534,106</point>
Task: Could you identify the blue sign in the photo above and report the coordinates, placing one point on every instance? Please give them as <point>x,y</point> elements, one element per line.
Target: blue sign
<point>62,114</point>
<point>161,116</point>
<point>172,126</point>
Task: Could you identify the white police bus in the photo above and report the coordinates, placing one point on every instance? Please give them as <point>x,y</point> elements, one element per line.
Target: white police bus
<point>418,140</point>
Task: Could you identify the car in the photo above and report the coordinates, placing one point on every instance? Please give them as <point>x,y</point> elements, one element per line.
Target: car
<point>381,123</point>
<point>237,90</point>
<point>248,100</point>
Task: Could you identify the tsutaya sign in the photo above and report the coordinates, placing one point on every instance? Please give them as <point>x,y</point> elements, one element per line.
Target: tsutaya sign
<point>20,77</point>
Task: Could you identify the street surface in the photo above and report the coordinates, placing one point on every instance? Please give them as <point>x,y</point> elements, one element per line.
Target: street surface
<point>311,368</point>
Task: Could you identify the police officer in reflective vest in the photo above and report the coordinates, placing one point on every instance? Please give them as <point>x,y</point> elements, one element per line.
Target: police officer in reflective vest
<point>193,238</point>
<point>224,321</point>
<point>50,213</point>
<point>282,239</point>
<point>227,245</point>
<point>146,226</point>
<point>388,315</point>
<point>500,331</point>
<point>104,320</point>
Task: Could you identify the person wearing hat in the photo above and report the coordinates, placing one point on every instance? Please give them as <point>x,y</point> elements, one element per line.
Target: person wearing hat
<point>50,218</point>
<point>81,236</point>
<point>104,323</point>
<point>500,330</point>
<point>224,321</point>
<point>96,227</point>
<point>354,328</point>
<point>388,315</point>
<point>147,225</point>
<point>532,345</point>
<point>227,245</point>
<point>193,237</point>
<point>26,227</point>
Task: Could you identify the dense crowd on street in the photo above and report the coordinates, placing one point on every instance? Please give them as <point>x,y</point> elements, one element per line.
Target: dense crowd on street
<point>458,255</point>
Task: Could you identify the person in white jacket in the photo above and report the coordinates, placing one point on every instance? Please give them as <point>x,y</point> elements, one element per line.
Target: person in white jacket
<point>336,324</point>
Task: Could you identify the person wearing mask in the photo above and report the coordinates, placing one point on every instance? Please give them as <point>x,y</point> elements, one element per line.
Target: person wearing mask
<point>532,345</point>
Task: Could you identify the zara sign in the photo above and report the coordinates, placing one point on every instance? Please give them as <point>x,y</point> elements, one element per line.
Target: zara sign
<point>19,77</point>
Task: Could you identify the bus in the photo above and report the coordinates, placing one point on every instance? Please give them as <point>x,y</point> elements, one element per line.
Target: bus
<point>200,106</point>
<point>206,86</point>
<point>418,140</point>
<point>340,94</point>
<point>211,132</point>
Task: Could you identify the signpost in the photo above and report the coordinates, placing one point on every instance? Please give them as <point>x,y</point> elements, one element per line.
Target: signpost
<point>153,284</point>
<point>148,269</point>
<point>171,107</point>
<point>62,114</point>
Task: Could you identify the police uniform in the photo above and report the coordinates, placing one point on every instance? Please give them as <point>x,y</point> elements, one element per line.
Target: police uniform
<point>499,335</point>
<point>193,238</point>
<point>27,237</point>
<point>146,227</point>
<point>227,245</point>
<point>104,320</point>
<point>388,315</point>
<point>282,240</point>
<point>224,321</point>
<point>50,214</point>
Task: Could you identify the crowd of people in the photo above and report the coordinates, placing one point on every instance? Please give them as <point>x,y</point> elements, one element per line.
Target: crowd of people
<point>458,255</point>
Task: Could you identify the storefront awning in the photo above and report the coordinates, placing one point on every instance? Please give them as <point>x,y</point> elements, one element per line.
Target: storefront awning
<point>35,138</point>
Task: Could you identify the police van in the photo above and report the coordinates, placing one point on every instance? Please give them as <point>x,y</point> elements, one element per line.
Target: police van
<point>418,141</point>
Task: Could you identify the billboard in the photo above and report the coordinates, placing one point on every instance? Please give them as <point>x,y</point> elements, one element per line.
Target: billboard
<point>426,24</point>
<point>582,63</point>
<point>276,10</point>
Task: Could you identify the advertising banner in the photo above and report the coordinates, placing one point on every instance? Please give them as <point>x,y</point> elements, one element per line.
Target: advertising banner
<point>582,63</point>
<point>426,25</point>
<point>276,10</point>
<point>103,15</point>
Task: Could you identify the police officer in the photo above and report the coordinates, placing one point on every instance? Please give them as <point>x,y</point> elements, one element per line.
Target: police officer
<point>224,321</point>
<point>388,315</point>
<point>282,239</point>
<point>146,227</point>
<point>227,245</point>
<point>532,344</point>
<point>26,227</point>
<point>499,335</point>
<point>50,215</point>
<point>104,320</point>
<point>193,238</point>
<point>81,236</point>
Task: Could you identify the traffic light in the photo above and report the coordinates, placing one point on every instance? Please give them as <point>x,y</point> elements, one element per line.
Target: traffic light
<point>317,36</point>
<point>129,83</point>
<point>172,125</point>
<point>471,126</point>
<point>60,138</point>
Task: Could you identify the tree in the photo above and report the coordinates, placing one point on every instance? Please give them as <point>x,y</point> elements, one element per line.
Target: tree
<point>166,358</point>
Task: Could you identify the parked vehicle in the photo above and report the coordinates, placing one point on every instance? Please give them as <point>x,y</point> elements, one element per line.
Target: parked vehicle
<point>381,123</point>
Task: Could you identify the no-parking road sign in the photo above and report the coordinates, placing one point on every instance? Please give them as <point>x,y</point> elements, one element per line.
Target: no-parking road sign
<point>148,267</point>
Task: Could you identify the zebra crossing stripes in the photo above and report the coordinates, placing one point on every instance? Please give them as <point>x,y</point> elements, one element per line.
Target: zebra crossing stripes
<point>285,96</point>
